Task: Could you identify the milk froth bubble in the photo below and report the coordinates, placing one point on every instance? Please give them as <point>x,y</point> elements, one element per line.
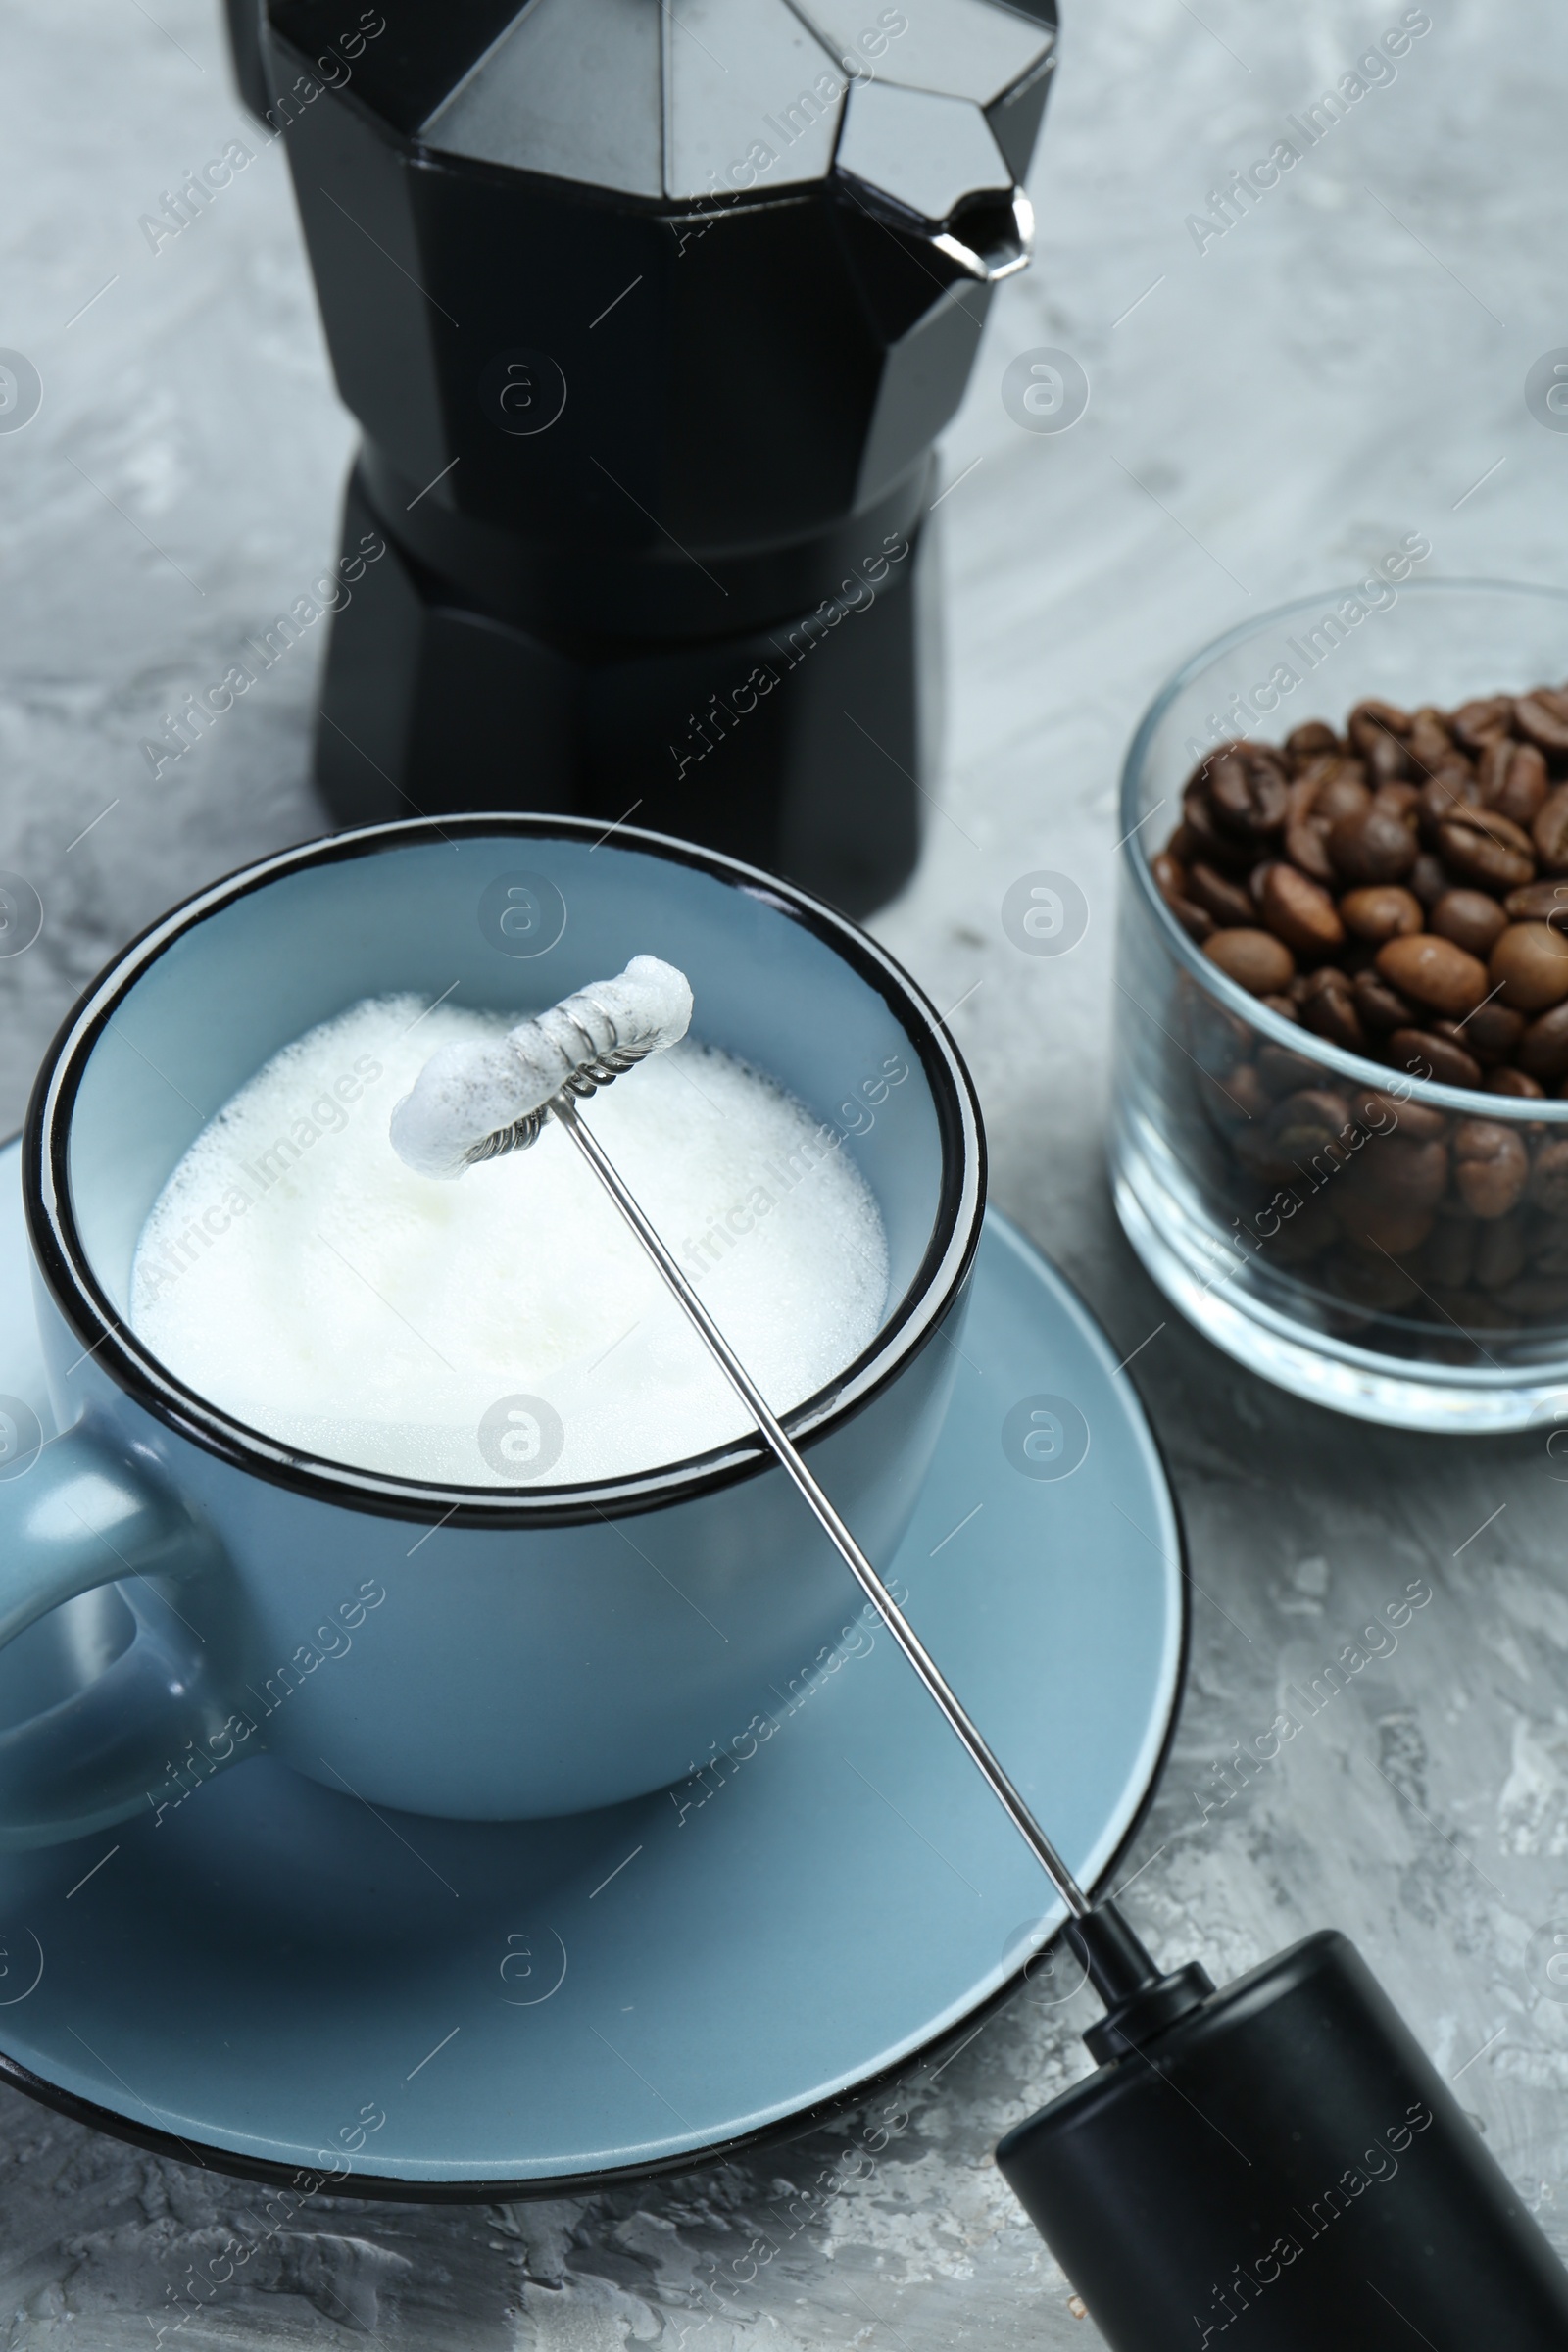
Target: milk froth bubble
<point>295,1272</point>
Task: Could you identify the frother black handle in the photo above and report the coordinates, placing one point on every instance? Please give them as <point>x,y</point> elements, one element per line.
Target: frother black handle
<point>1283,2160</point>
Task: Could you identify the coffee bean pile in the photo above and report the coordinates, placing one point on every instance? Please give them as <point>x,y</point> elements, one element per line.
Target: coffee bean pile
<point>1400,890</point>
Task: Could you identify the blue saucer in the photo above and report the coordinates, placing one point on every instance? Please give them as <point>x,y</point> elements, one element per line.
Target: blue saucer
<point>277,1981</point>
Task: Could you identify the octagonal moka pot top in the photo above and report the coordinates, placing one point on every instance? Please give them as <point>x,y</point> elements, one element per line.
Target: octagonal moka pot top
<point>651,316</point>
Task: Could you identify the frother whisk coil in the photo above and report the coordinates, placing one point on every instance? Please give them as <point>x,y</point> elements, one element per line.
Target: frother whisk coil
<point>601,1067</point>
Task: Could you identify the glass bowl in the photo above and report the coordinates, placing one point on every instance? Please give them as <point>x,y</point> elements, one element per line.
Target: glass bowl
<point>1325,1216</point>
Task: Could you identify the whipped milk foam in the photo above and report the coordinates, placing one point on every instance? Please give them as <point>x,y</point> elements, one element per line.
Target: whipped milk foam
<point>295,1272</point>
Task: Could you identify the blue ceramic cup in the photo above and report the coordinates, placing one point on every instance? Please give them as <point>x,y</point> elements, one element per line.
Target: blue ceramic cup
<point>494,1653</point>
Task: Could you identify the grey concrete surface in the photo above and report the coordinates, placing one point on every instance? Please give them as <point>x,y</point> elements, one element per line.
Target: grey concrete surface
<point>1344,365</point>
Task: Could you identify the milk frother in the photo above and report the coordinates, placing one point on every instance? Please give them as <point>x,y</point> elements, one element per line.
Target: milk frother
<point>1279,2156</point>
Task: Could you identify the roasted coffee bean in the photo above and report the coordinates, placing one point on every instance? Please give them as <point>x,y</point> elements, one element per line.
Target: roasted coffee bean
<point>1283,1072</point>
<point>1427,879</point>
<point>1306,845</point>
<point>1491,768</point>
<point>1387,1229</point>
<point>1312,740</point>
<point>1171,880</point>
<point>1382,1008</point>
<point>1490,1168</point>
<point>1481,846</point>
<point>1280,1005</point>
<point>1305,841</point>
<point>1500,1252</point>
<point>1434,972</point>
<point>1225,1107</point>
<point>1243,1089</point>
<point>1422,1122</point>
<point>1259,1159</point>
<point>1447,794</point>
<point>1398,800</point>
<point>1475,724</point>
<point>1247,787</point>
<point>1327,1007</point>
<point>1227,902</point>
<point>1517,1083</point>
<point>1336,786</point>
<point>1548,1176</point>
<point>1449,1255</point>
<point>1374,846</point>
<point>1209,841</point>
<point>1324,790</point>
<point>1549,830</point>
<point>1491,1032</point>
<point>1400,1171</point>
<point>1538,902</point>
<point>1383,911</point>
<point>1312,1124</point>
<point>1301,912</point>
<point>1386,1233</point>
<point>1513,779</point>
<point>1254,959</point>
<point>1198,924</point>
<point>1429,743</point>
<point>1503,831</point>
<point>1542,717</point>
<point>1347,792</point>
<point>1383,1114</point>
<point>1265,1165</point>
<point>1471,918</point>
<point>1544,1046</point>
<point>1529,967</point>
<point>1388,760</point>
<point>1427,1054</point>
<point>1372,722</point>
<point>1196,834</point>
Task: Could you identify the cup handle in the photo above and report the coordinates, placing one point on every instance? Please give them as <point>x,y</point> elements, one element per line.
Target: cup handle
<point>90,1511</point>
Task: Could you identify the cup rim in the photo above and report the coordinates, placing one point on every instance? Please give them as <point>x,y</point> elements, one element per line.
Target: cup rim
<point>91,1315</point>
<point>1468,1102</point>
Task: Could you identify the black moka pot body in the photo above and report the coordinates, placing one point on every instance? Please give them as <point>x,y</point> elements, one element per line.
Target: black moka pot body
<point>1283,2169</point>
<point>649,328</point>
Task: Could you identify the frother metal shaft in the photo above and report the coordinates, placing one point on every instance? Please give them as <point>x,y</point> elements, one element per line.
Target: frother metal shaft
<point>854,1559</point>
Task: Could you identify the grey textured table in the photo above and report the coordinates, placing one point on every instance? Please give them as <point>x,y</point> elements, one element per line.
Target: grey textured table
<point>1344,365</point>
